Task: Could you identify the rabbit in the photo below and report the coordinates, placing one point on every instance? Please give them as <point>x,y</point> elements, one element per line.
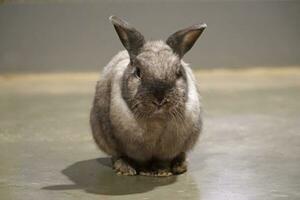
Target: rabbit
<point>146,112</point>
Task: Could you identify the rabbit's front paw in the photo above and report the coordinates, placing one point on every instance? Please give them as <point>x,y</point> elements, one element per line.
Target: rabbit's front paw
<point>179,167</point>
<point>122,167</point>
<point>160,173</point>
<point>157,168</point>
<point>163,172</point>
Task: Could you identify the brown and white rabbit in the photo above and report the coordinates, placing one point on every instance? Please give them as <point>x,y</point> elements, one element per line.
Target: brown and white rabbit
<point>146,112</point>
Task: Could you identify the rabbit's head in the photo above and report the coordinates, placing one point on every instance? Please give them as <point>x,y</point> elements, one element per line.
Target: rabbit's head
<point>155,81</point>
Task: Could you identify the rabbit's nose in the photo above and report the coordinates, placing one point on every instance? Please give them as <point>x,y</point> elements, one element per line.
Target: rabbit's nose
<point>159,104</point>
<point>159,95</point>
<point>160,100</point>
<point>159,90</point>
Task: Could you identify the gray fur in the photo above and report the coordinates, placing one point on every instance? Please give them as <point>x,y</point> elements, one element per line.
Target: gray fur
<point>125,117</point>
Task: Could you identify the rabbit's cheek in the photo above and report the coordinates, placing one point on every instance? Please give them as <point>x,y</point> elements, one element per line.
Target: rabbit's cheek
<point>133,87</point>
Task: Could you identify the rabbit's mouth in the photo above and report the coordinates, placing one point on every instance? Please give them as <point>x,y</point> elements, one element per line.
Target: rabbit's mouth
<point>159,111</point>
<point>154,112</point>
<point>151,110</point>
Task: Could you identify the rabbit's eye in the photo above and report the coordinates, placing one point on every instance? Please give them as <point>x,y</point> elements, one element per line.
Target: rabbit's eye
<point>179,74</point>
<point>137,72</point>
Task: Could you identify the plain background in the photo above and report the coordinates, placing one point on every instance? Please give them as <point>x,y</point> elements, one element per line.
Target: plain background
<point>77,35</point>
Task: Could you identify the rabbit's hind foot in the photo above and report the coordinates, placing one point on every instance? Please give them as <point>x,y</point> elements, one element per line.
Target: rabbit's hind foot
<point>123,167</point>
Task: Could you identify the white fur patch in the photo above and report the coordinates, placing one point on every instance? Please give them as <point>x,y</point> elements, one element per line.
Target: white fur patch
<point>121,115</point>
<point>193,102</point>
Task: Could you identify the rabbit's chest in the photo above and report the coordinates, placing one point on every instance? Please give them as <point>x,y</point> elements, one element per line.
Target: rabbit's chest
<point>153,131</point>
<point>162,140</point>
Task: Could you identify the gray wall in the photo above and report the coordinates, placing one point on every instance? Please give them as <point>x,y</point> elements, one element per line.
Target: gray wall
<point>77,35</point>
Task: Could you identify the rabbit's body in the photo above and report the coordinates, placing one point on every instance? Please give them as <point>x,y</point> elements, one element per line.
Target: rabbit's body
<point>155,117</point>
<point>145,139</point>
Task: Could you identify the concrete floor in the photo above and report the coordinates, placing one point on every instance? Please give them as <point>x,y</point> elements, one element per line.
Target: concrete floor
<point>250,148</point>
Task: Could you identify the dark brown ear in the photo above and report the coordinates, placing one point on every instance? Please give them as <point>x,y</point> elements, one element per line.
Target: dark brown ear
<point>131,39</point>
<point>182,41</point>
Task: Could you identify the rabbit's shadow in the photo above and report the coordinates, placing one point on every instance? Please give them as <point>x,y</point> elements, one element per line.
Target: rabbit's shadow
<point>96,176</point>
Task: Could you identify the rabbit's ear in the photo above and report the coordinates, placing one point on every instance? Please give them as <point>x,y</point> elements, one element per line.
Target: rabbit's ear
<point>183,40</point>
<point>131,39</point>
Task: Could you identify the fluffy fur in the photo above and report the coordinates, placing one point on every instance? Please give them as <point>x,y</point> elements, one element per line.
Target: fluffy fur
<point>146,112</point>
